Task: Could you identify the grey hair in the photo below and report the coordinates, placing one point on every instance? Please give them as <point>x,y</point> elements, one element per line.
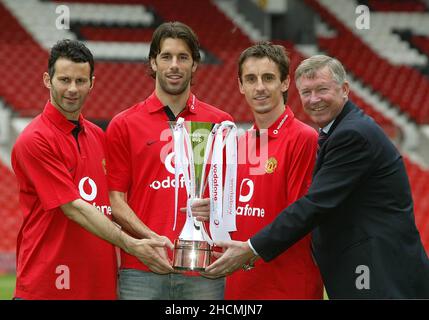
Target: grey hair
<point>308,68</point>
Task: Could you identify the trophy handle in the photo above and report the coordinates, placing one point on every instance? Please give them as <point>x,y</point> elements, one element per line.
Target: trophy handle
<point>194,229</point>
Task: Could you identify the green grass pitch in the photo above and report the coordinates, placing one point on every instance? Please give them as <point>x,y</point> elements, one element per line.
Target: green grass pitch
<point>7,286</point>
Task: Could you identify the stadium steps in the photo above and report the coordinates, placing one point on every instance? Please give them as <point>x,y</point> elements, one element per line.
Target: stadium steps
<point>375,71</point>
<point>10,218</point>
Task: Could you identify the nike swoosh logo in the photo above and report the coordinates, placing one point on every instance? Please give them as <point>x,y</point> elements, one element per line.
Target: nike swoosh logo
<point>151,142</point>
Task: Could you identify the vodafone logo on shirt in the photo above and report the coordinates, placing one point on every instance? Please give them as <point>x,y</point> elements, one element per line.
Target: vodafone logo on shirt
<point>169,181</point>
<point>249,185</point>
<point>88,192</point>
<point>93,187</point>
<point>247,188</point>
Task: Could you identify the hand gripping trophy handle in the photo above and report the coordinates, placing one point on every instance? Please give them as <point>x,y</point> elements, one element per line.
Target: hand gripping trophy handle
<point>194,144</point>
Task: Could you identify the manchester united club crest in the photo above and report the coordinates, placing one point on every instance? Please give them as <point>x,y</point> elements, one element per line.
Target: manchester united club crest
<point>270,165</point>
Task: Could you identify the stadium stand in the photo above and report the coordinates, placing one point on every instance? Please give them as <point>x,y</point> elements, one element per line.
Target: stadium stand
<point>10,218</point>
<point>216,82</point>
<point>421,42</point>
<point>401,85</point>
<point>392,6</point>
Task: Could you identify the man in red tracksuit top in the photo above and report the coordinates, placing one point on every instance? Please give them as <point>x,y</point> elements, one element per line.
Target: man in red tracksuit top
<point>288,149</point>
<point>59,162</point>
<point>141,167</point>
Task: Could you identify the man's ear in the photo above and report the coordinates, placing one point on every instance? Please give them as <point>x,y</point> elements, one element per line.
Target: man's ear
<point>47,80</point>
<point>153,65</point>
<point>240,86</point>
<point>194,66</point>
<point>92,82</point>
<point>346,89</point>
<point>285,84</point>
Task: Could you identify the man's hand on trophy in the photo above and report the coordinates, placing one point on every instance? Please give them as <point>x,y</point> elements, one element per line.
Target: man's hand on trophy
<point>162,251</point>
<point>153,253</point>
<point>200,209</point>
<point>237,254</point>
<point>216,255</point>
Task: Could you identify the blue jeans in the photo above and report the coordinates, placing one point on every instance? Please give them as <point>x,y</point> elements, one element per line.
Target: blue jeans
<point>142,285</point>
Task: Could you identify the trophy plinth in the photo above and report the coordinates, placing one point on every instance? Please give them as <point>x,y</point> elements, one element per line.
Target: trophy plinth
<point>191,255</point>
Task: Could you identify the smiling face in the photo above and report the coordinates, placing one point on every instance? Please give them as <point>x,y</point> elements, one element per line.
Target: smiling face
<point>261,85</point>
<point>174,67</point>
<point>322,97</point>
<point>69,86</point>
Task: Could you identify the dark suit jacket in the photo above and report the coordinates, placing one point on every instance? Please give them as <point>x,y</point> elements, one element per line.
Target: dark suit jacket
<point>360,210</point>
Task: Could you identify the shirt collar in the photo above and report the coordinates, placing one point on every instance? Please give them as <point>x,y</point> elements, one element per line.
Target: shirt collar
<point>326,128</point>
<point>280,124</point>
<point>59,120</point>
<point>154,104</point>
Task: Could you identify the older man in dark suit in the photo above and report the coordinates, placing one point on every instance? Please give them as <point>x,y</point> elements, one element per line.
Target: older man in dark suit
<point>359,205</point>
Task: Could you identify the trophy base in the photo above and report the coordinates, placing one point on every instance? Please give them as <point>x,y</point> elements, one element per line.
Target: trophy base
<point>191,255</point>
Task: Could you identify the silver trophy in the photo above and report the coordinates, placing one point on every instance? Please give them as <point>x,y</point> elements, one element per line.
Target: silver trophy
<point>198,148</point>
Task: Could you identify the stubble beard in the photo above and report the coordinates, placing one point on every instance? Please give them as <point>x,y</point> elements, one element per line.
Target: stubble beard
<point>171,90</point>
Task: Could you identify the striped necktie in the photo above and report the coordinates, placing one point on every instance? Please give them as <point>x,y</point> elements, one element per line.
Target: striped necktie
<point>322,138</point>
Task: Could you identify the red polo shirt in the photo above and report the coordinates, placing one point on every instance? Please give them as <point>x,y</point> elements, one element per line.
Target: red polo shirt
<point>56,257</point>
<point>139,156</point>
<point>286,176</point>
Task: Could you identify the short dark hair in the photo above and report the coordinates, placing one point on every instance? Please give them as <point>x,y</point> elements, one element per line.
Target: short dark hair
<point>72,50</point>
<point>274,52</point>
<point>175,30</point>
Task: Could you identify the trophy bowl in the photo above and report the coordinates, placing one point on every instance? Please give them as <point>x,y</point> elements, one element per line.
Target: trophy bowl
<point>191,255</point>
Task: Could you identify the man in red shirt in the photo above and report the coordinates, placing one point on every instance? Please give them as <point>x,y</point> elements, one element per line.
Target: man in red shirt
<point>59,162</point>
<point>288,148</point>
<point>141,173</point>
